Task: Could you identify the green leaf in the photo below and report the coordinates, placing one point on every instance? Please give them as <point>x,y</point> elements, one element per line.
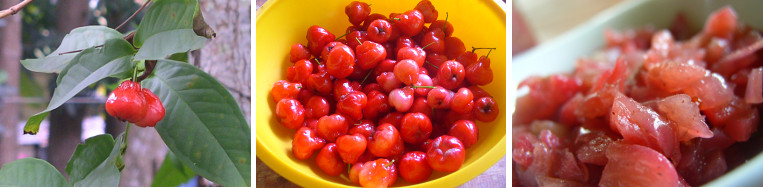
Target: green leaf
<point>182,57</point>
<point>78,39</point>
<point>166,43</point>
<point>172,173</point>
<point>86,160</point>
<point>86,68</point>
<point>165,15</point>
<point>106,174</point>
<point>31,172</point>
<point>203,125</point>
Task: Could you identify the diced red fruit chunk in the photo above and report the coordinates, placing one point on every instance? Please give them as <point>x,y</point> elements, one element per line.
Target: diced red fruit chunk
<point>591,147</point>
<point>711,92</point>
<point>699,165</point>
<point>684,114</point>
<point>754,92</point>
<point>635,165</point>
<point>641,125</point>
<point>721,23</point>
<point>673,76</point>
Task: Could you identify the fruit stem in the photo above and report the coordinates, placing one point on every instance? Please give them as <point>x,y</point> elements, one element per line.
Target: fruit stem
<point>367,74</point>
<point>149,68</point>
<point>446,22</point>
<point>341,36</point>
<point>390,163</point>
<point>124,139</point>
<point>134,73</point>
<point>358,39</point>
<point>415,86</point>
<point>427,45</point>
<point>431,64</point>
<point>488,53</point>
<point>398,19</point>
<point>473,49</point>
<point>316,60</point>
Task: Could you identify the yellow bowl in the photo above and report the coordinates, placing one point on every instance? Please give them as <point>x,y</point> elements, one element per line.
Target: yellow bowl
<point>281,23</point>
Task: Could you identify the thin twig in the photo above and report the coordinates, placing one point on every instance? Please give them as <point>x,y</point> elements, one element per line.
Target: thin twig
<point>150,64</point>
<point>14,9</point>
<point>133,15</point>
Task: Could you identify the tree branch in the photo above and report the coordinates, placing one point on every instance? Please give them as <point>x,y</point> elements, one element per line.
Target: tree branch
<point>14,9</point>
<point>133,15</point>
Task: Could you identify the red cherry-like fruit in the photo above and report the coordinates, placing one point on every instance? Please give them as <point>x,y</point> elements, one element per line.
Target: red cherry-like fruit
<point>446,154</point>
<point>127,102</point>
<point>154,110</point>
<point>414,167</point>
<point>305,143</point>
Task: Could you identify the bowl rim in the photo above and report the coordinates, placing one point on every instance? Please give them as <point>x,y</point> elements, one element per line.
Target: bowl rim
<point>492,156</point>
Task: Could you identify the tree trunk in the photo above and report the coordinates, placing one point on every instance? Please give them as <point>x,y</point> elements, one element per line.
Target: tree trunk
<point>10,57</point>
<point>66,125</point>
<point>228,56</point>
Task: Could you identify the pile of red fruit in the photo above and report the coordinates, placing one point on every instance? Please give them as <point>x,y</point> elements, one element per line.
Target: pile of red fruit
<point>393,97</point>
<point>648,110</point>
<point>135,105</point>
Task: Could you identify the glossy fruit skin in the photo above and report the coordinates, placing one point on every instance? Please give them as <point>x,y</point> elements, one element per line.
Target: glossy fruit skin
<point>333,126</point>
<point>407,71</point>
<point>480,72</point>
<point>467,58</point>
<point>329,161</point>
<point>356,38</point>
<point>357,12</point>
<point>377,173</point>
<point>424,80</point>
<point>446,154</point>
<point>410,23</point>
<point>284,89</point>
<point>393,118</point>
<point>414,167</point>
<point>290,112</point>
<point>305,143</point>
<point>371,18</point>
<point>485,109</point>
<point>369,54</point>
<point>415,128</point>
<point>351,147</point>
<point>466,131</point>
<point>298,52</point>
<point>439,98</point>
<point>420,105</point>
<point>463,101</point>
<point>352,105</point>
<point>154,110</point>
<point>451,74</point>
<point>316,107</point>
<point>355,172</point>
<point>413,53</point>
<point>386,141</point>
<point>127,102</point>
<point>448,28</point>
<point>427,11</point>
<point>401,99</point>
<point>343,87</point>
<point>320,83</point>
<point>454,47</point>
<point>388,81</point>
<point>302,69</point>
<point>434,40</point>
<point>328,47</point>
<point>317,37</point>
<point>340,61</point>
<point>365,128</point>
<point>379,31</point>
<point>376,106</point>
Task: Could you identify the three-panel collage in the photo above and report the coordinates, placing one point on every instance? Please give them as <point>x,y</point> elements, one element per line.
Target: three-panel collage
<point>379,93</point>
